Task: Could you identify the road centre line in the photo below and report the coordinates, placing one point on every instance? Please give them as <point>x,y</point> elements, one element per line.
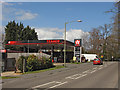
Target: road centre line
<point>81,76</point>
<point>86,71</point>
<point>75,75</point>
<point>93,71</point>
<point>71,76</point>
<point>100,68</point>
<point>57,82</point>
<point>58,85</point>
<point>43,85</point>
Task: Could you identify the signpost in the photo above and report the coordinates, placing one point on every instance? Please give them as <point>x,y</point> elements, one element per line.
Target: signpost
<point>77,49</point>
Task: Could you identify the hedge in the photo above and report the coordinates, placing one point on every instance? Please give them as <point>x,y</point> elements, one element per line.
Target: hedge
<point>33,63</point>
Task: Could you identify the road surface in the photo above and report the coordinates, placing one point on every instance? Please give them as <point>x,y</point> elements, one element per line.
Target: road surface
<point>84,75</point>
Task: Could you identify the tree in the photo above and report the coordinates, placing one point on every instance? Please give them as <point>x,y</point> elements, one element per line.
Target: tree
<point>115,35</point>
<point>98,40</point>
<point>16,32</point>
<point>29,34</point>
<point>94,40</point>
<point>105,39</point>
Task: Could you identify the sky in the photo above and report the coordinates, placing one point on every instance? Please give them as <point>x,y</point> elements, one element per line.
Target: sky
<point>48,18</point>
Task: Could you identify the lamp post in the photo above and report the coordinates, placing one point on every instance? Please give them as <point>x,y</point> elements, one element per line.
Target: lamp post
<point>65,40</point>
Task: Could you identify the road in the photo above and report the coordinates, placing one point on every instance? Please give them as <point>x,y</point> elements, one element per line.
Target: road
<point>84,75</point>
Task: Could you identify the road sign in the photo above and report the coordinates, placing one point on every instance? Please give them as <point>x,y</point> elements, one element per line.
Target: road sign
<point>77,42</point>
<point>101,56</point>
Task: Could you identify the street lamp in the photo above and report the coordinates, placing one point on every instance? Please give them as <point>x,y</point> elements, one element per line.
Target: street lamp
<point>65,41</point>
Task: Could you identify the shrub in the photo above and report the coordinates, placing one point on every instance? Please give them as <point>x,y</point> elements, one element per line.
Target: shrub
<point>71,61</point>
<point>20,62</point>
<point>46,63</point>
<point>32,63</point>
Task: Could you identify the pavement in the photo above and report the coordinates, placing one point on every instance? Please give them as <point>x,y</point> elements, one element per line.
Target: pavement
<point>12,73</point>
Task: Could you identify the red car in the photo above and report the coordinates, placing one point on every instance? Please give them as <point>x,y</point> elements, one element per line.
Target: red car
<point>97,61</point>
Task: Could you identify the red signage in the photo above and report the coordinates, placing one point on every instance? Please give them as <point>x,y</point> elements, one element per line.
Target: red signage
<point>77,42</point>
<point>31,42</point>
<point>13,42</point>
<point>53,41</point>
<point>3,51</point>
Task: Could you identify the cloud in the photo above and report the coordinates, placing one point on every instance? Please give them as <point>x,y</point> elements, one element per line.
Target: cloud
<point>23,15</point>
<point>49,33</point>
<point>56,33</point>
<point>7,4</point>
<point>18,14</point>
<point>76,34</point>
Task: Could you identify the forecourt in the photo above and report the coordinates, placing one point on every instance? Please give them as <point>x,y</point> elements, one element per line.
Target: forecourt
<point>84,75</point>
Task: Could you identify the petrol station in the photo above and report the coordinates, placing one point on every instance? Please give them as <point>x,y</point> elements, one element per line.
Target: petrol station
<point>54,48</point>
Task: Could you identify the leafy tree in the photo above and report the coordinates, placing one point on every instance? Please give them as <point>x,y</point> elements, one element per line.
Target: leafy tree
<point>29,34</point>
<point>16,32</point>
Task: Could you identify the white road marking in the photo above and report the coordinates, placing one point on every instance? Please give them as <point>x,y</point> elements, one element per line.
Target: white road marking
<point>81,76</point>
<point>86,71</point>
<point>58,85</point>
<point>93,71</point>
<point>75,75</point>
<point>57,82</point>
<point>71,76</point>
<point>43,84</point>
<point>100,68</point>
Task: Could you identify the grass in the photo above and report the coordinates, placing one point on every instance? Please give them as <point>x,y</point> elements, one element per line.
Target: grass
<point>8,77</point>
<point>56,67</point>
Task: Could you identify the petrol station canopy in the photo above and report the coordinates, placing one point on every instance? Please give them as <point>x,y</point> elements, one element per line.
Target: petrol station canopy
<point>43,44</point>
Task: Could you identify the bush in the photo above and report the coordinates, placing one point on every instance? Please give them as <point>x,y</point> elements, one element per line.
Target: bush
<point>71,61</point>
<point>48,63</point>
<point>20,62</point>
<point>32,63</point>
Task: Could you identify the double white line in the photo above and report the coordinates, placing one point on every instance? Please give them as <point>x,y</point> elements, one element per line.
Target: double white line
<point>76,76</point>
<point>53,82</point>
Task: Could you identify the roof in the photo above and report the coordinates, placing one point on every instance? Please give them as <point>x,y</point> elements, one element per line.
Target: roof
<point>42,43</point>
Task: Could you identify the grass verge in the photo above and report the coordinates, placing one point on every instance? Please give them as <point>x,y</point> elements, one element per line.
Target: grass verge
<point>8,77</point>
<point>56,67</point>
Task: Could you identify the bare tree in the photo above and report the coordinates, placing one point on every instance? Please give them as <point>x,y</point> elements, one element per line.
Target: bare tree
<point>105,32</point>
<point>95,41</point>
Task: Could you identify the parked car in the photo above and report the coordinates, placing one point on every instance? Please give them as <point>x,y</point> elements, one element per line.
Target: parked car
<point>97,61</point>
